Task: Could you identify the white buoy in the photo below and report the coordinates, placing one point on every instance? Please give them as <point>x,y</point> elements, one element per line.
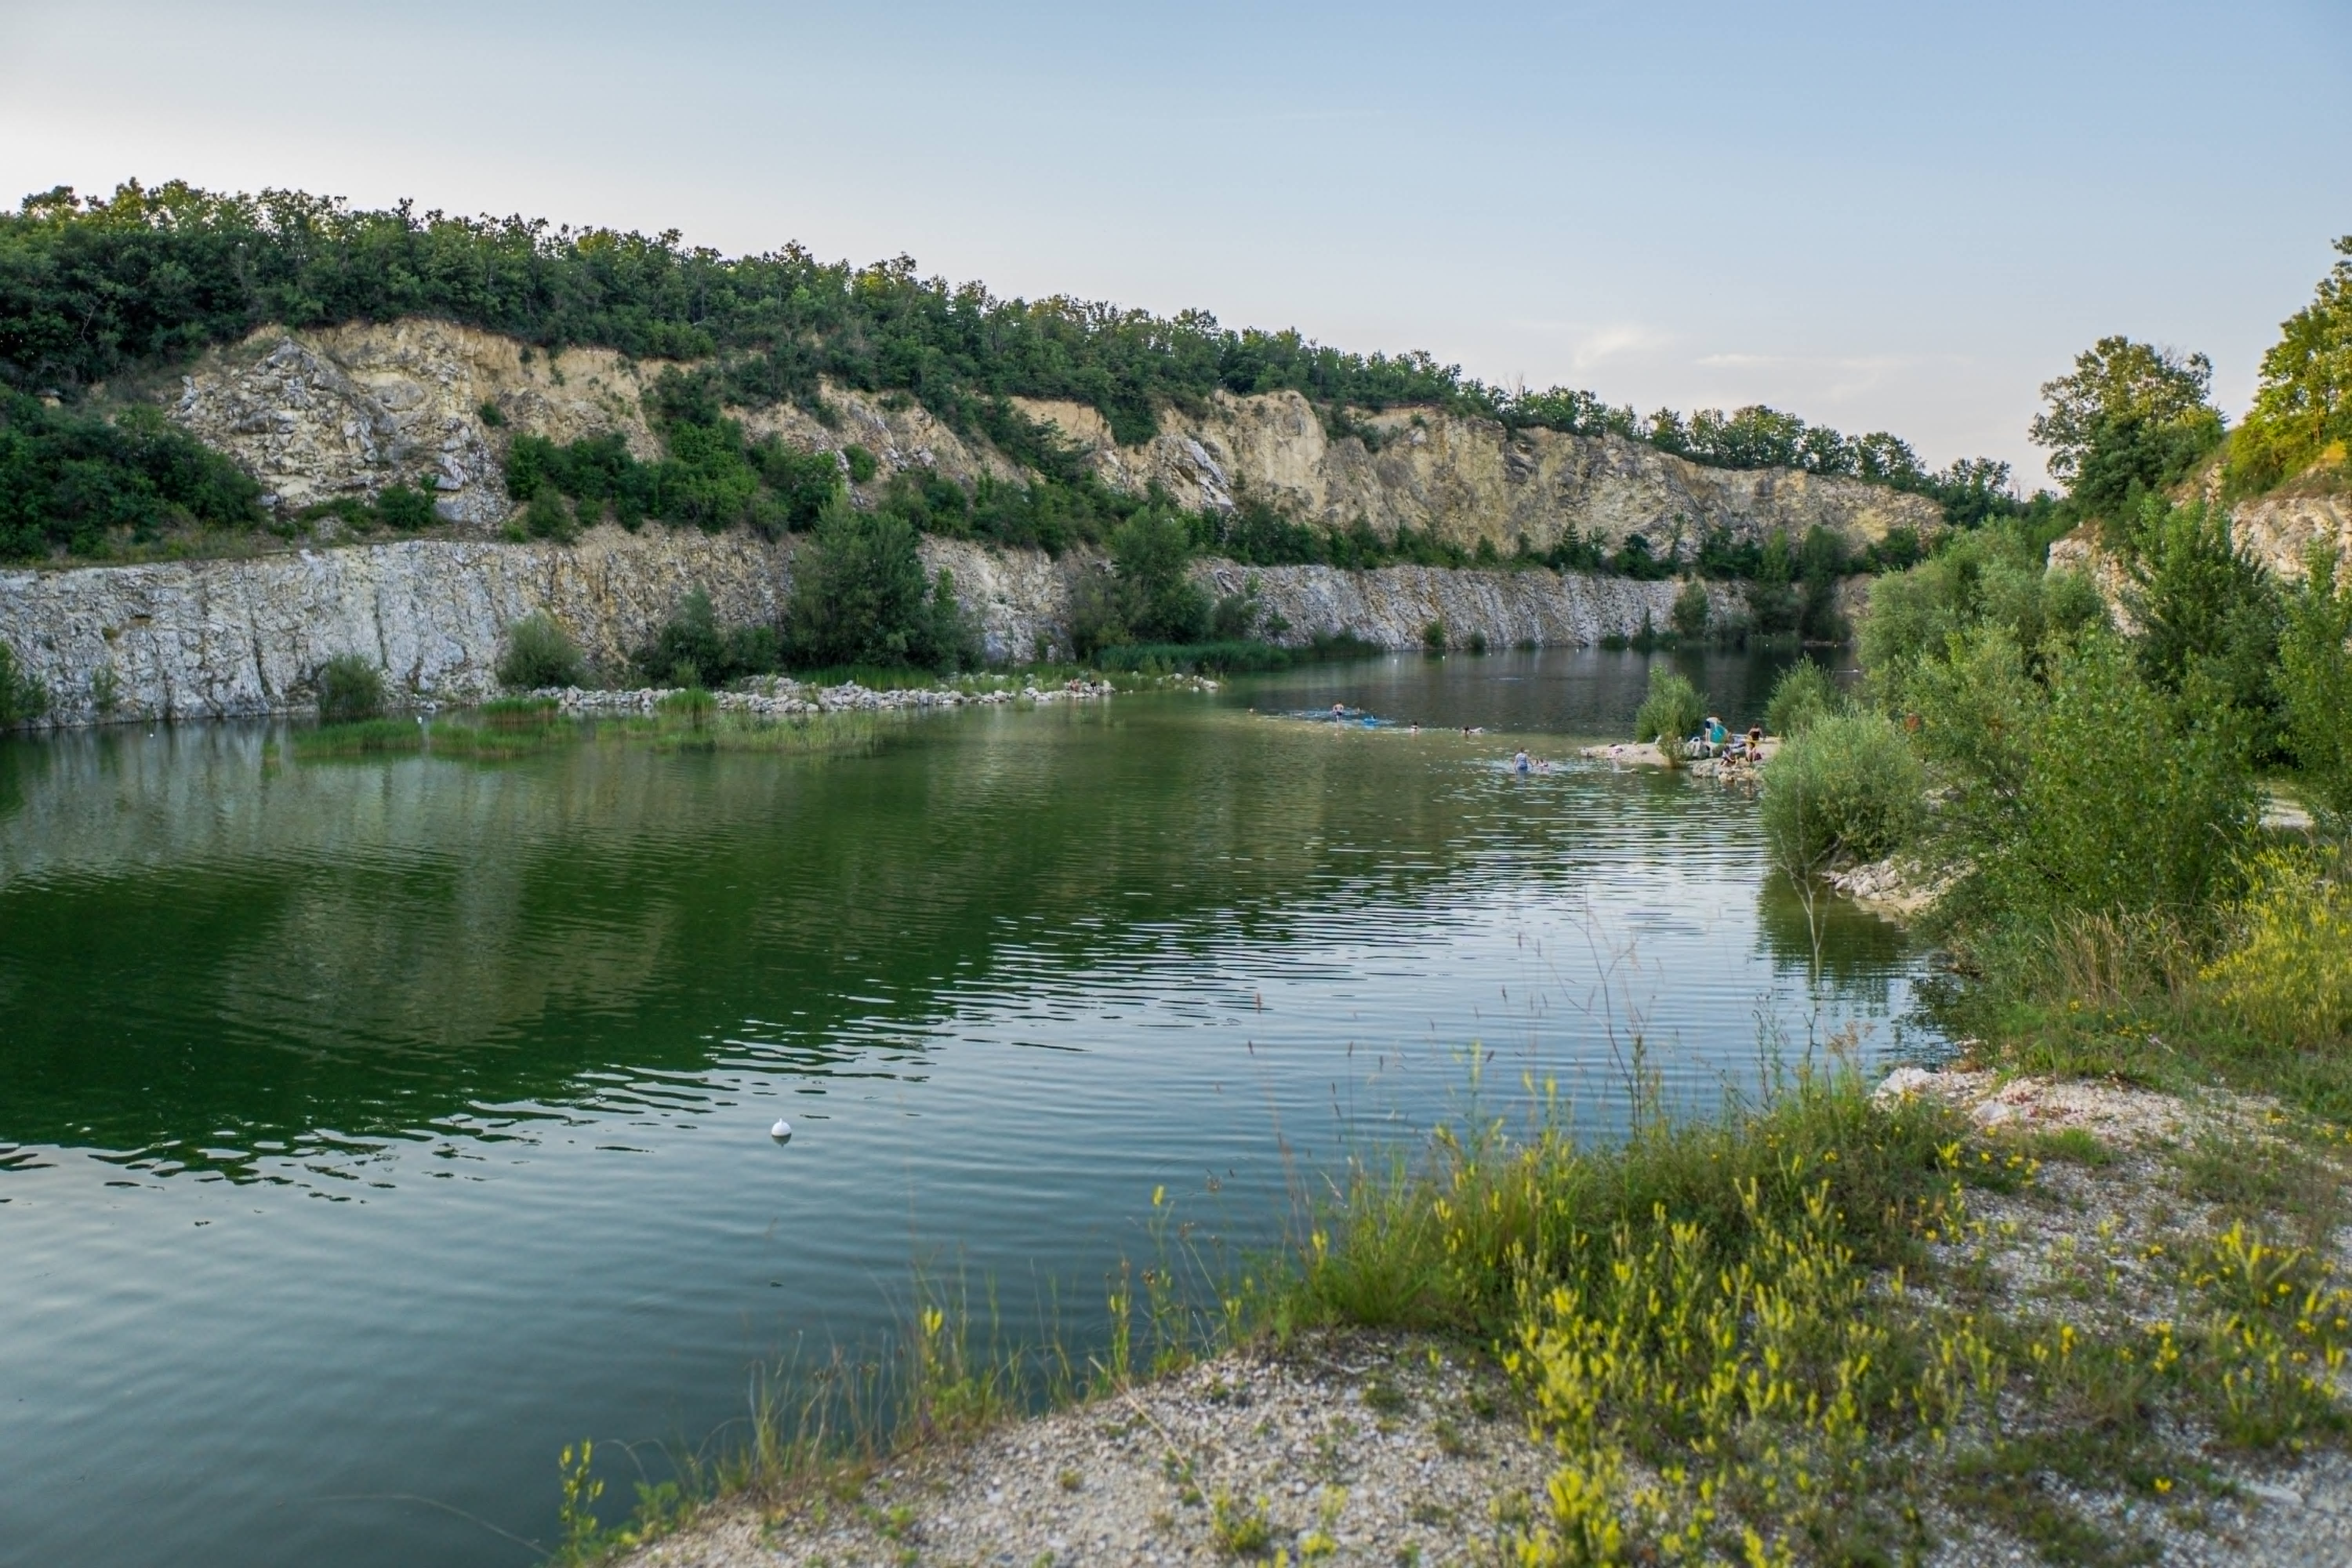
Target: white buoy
<point>781,1132</point>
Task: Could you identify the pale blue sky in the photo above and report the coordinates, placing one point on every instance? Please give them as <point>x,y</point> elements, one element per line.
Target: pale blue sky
<point>1896,216</point>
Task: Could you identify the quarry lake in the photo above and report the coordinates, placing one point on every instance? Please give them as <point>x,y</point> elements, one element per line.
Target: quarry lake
<point>372,1129</point>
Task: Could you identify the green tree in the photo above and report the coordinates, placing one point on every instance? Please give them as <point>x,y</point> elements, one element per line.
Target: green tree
<point>1802,697</point>
<point>1152,554</point>
<point>1845,788</point>
<point>2086,792</point>
<point>2210,614</point>
<point>1995,576</point>
<point>2130,418</point>
<point>1688,617</point>
<point>692,649</point>
<point>2302,405</point>
<point>860,596</point>
<point>1671,711</point>
<point>69,478</point>
<point>1774,607</point>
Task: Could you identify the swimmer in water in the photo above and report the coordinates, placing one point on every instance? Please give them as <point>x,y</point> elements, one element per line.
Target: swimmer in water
<point>1519,763</point>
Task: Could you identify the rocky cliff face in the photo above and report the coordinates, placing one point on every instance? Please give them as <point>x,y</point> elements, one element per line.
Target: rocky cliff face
<point>315,415</point>
<point>228,638</point>
<point>1469,480</point>
<point>2276,530</point>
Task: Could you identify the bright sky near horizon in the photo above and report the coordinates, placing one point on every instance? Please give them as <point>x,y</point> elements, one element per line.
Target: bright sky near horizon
<point>1896,216</point>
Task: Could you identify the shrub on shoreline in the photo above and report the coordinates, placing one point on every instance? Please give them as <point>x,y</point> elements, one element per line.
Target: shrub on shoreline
<point>350,688</point>
<point>1845,788</point>
<point>540,653</point>
<point>1670,713</point>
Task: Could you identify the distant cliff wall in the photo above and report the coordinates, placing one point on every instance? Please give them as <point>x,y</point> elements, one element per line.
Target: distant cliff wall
<point>225,639</point>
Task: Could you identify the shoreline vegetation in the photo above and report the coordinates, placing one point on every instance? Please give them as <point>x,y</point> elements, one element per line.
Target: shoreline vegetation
<point>2079,1297</point>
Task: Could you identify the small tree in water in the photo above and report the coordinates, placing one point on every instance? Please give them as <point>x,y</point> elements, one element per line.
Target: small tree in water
<point>1672,709</point>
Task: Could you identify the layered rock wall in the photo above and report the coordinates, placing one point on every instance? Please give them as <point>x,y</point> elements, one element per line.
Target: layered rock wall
<point>229,638</point>
<point>316,415</point>
<point>1469,478</point>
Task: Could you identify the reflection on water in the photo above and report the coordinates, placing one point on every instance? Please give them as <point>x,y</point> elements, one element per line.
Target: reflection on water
<point>390,1123</point>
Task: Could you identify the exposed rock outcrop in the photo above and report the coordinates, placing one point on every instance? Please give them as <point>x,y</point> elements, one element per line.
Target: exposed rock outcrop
<point>225,639</point>
<point>319,414</point>
<point>2277,530</point>
<point>1470,478</point>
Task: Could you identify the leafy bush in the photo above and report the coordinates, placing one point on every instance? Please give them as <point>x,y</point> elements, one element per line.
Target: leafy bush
<point>550,516</point>
<point>350,688</point>
<point>693,650</point>
<point>1997,578</point>
<point>2210,614</point>
<point>1152,554</point>
<point>2087,792</point>
<point>68,479</point>
<point>22,697</point>
<point>1671,713</point>
<point>1432,636</point>
<point>1236,617</point>
<point>539,653</point>
<point>1803,695</point>
<point>1846,787</point>
<point>859,597</point>
<point>2288,972</point>
<point>712,477</point>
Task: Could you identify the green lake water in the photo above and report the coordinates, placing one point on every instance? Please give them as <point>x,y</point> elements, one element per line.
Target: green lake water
<point>371,1129</point>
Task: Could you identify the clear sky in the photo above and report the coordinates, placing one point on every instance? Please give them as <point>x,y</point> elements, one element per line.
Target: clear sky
<point>1900,216</point>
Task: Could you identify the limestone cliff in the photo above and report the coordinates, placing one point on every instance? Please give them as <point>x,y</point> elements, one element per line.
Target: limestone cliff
<point>2276,530</point>
<point>314,415</point>
<point>1470,478</point>
<point>228,638</point>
